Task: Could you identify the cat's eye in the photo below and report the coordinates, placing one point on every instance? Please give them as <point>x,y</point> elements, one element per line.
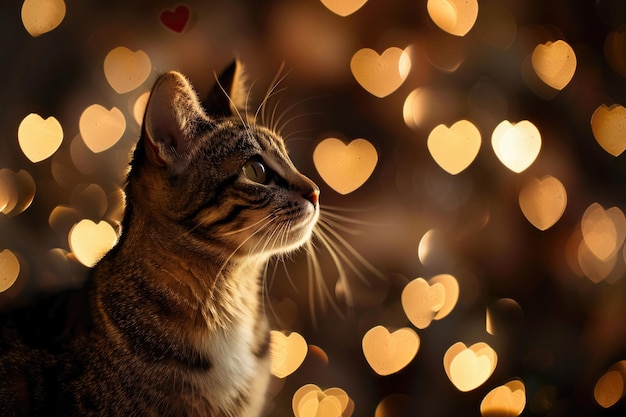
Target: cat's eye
<point>256,171</point>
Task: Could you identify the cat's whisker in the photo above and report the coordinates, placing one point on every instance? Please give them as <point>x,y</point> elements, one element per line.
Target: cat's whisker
<point>345,244</point>
<point>271,91</point>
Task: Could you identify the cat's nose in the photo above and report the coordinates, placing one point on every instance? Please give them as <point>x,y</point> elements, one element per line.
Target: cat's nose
<point>313,196</point>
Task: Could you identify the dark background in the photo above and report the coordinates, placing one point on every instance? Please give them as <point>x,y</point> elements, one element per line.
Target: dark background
<point>570,330</point>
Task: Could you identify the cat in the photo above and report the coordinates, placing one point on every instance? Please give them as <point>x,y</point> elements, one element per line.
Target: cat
<point>171,321</point>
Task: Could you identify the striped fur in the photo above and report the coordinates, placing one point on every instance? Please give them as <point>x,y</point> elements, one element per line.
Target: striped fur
<point>171,321</point>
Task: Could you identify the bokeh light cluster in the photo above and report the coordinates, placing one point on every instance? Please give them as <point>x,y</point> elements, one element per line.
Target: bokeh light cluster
<point>476,144</point>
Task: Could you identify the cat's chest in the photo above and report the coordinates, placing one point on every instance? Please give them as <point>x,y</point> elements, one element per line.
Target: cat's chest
<point>238,375</point>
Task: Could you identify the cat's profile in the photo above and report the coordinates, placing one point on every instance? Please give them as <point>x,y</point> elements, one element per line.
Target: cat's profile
<point>171,321</point>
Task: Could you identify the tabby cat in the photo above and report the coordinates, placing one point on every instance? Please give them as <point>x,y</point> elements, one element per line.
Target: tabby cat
<point>171,321</point>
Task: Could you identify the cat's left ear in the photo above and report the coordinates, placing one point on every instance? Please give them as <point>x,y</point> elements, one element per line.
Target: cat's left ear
<point>228,95</point>
<point>173,118</point>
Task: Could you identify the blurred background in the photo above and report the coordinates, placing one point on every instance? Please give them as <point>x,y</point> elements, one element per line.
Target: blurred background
<point>533,258</point>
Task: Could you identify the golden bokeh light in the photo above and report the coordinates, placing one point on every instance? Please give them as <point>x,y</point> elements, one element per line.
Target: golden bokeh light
<point>383,74</point>
<point>543,201</point>
<point>343,7</point>
<point>456,147</point>
<point>42,16</point>
<point>139,107</point>
<point>287,353</point>
<point>516,145</point>
<point>608,124</point>
<point>39,138</point>
<point>421,301</point>
<point>310,401</point>
<point>600,231</point>
<point>101,128</point>
<point>9,269</point>
<point>508,400</point>
<point>594,268</point>
<point>452,290</point>
<point>90,241</point>
<point>457,17</point>
<point>345,167</point>
<point>388,353</point>
<point>469,367</point>
<point>126,70</point>
<point>17,191</point>
<point>609,389</point>
<point>554,63</point>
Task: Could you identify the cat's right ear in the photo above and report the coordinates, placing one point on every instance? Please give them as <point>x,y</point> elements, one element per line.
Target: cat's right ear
<point>228,95</point>
<point>173,118</point>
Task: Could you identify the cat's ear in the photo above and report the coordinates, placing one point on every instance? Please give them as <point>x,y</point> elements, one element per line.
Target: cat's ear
<point>228,95</point>
<point>173,118</point>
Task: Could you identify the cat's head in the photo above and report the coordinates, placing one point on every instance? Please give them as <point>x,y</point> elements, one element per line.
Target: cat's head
<point>208,177</point>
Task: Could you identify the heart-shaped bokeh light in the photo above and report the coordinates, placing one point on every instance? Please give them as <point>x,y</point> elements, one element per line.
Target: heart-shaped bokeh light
<point>17,191</point>
<point>388,353</point>
<point>554,63</point>
<point>345,167</point>
<point>177,19</point>
<point>608,125</point>
<point>90,241</point>
<point>543,201</point>
<point>421,301</point>
<point>610,387</point>
<point>9,269</point>
<point>287,352</point>
<point>310,401</point>
<point>516,145</point>
<point>507,400</point>
<point>603,230</point>
<point>101,128</point>
<point>343,7</point>
<point>454,148</point>
<point>126,70</point>
<point>41,16</point>
<point>39,138</point>
<point>469,368</point>
<point>380,75</point>
<point>457,17</point>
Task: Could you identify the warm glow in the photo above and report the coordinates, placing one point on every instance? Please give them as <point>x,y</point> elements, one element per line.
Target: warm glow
<point>451,286</point>
<point>469,368</point>
<point>388,353</point>
<point>345,167</point>
<point>39,138</point>
<point>126,70</point>
<point>554,63</point>
<point>456,17</point>
<point>599,232</point>
<point>609,389</point>
<point>9,269</point>
<point>416,106</point>
<point>90,241</point>
<point>608,125</point>
<point>101,128</point>
<point>41,16</point>
<point>517,145</point>
<point>507,400</point>
<point>311,401</point>
<point>17,191</point>
<point>454,148</point>
<point>287,353</point>
<point>139,107</point>
<point>380,75</point>
<point>421,301</point>
<point>543,201</point>
<point>343,7</point>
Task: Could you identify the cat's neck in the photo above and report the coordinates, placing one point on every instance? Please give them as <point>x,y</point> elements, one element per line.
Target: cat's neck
<point>217,289</point>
